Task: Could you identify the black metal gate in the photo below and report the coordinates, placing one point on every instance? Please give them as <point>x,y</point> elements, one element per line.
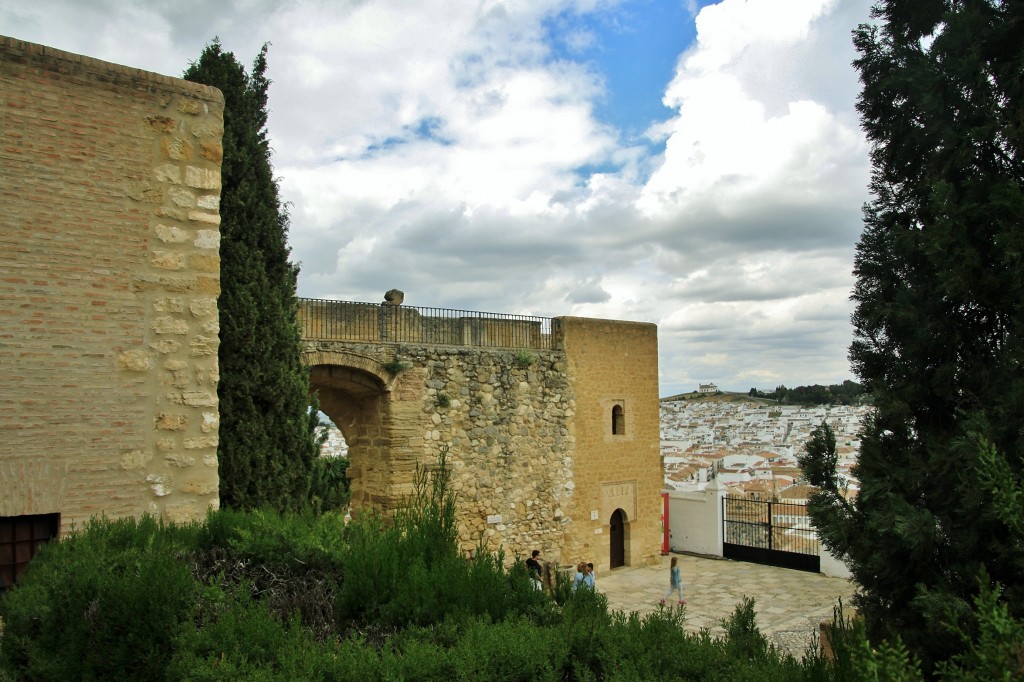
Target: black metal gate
<point>772,533</point>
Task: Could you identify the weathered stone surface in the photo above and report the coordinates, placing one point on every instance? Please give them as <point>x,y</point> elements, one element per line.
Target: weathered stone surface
<point>212,151</point>
<point>170,325</point>
<point>210,202</point>
<point>181,196</point>
<point>168,172</point>
<point>193,398</point>
<point>207,239</point>
<point>135,361</point>
<point>171,234</point>
<point>201,442</point>
<point>179,459</point>
<point>167,260</point>
<point>161,124</point>
<point>203,307</point>
<point>166,346</point>
<point>192,107</point>
<point>136,459</point>
<point>205,262</point>
<point>209,218</point>
<point>203,346</point>
<point>167,421</point>
<point>169,304</point>
<point>202,178</point>
<point>176,148</point>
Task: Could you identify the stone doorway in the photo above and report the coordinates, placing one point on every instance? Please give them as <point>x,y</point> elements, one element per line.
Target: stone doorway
<point>617,539</point>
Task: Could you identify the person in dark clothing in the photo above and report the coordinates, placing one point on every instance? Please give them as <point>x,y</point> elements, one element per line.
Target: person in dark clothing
<point>536,571</point>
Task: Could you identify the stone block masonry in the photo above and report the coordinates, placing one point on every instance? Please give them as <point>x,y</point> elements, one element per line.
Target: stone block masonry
<point>109,277</point>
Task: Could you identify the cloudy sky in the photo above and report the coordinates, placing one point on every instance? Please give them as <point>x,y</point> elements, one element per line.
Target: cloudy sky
<point>697,165</point>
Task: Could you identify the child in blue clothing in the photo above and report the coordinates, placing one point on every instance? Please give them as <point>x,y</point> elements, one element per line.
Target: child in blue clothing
<point>675,583</point>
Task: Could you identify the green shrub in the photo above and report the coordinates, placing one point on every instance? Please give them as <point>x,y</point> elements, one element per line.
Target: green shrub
<point>265,596</point>
<point>409,571</point>
<point>993,647</point>
<point>396,366</point>
<point>744,639</point>
<point>239,639</point>
<point>510,650</point>
<point>290,542</point>
<point>329,487</point>
<point>105,603</point>
<point>524,358</point>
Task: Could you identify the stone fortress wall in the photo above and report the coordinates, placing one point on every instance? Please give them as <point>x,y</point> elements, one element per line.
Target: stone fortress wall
<point>109,277</point>
<point>534,461</point>
<point>504,427</point>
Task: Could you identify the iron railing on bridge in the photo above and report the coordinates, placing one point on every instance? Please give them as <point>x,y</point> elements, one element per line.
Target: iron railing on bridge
<point>322,319</point>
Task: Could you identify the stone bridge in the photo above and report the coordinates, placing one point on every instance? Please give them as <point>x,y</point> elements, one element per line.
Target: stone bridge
<point>551,425</point>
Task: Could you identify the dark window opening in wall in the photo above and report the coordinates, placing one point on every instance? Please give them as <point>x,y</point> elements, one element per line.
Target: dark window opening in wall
<point>618,421</point>
<point>20,539</point>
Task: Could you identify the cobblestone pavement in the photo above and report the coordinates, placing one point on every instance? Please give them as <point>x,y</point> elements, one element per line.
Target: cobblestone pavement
<point>789,604</point>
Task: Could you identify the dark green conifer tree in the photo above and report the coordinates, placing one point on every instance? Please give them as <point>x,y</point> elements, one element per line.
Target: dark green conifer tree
<point>267,447</point>
<point>939,319</point>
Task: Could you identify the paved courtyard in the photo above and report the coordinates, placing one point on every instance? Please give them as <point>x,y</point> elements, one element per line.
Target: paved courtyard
<point>789,604</point>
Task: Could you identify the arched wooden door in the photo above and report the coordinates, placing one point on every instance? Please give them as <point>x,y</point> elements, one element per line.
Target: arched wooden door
<point>617,539</point>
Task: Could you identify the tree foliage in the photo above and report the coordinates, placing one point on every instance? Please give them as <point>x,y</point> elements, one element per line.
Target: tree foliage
<point>846,393</point>
<point>939,317</point>
<point>267,448</point>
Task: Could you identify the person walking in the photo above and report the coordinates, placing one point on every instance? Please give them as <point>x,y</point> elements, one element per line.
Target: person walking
<point>675,579</point>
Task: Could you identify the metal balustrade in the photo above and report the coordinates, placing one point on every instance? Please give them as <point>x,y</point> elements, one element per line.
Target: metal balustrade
<point>326,320</point>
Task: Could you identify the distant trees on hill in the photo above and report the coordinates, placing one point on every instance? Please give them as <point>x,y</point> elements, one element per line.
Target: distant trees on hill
<point>846,393</point>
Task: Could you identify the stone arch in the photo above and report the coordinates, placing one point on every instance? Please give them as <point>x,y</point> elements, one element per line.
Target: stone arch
<point>367,365</point>
<point>355,392</point>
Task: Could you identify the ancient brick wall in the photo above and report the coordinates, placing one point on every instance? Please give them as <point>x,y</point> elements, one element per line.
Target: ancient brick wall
<point>109,277</point>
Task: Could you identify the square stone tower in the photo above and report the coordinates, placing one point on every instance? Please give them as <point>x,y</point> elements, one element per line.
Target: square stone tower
<point>613,370</point>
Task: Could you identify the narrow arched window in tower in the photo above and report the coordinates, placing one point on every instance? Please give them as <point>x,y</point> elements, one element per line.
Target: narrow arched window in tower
<point>618,421</point>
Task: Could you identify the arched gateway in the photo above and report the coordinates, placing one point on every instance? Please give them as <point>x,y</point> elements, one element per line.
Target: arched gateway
<point>354,391</point>
<point>524,407</point>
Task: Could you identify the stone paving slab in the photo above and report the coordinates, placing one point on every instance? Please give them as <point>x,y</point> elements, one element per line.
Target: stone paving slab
<point>789,604</point>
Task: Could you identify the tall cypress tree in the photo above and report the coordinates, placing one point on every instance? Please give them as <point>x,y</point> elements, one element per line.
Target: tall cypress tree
<point>939,320</point>
<point>267,448</point>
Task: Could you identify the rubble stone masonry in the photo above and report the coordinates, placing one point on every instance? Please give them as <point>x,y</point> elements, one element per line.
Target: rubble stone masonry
<point>109,277</point>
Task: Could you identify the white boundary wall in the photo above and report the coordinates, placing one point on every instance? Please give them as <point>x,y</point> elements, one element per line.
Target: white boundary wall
<point>695,520</point>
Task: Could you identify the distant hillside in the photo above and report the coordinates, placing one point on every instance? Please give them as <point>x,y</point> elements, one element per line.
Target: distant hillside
<point>846,393</point>
<point>720,397</point>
